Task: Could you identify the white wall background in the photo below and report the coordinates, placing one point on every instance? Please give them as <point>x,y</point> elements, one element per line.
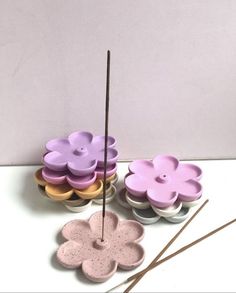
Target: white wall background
<point>173,75</point>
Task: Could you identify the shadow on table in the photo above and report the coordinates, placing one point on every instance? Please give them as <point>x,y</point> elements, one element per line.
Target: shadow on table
<point>35,201</point>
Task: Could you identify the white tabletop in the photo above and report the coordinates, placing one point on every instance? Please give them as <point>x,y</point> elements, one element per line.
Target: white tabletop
<point>30,227</point>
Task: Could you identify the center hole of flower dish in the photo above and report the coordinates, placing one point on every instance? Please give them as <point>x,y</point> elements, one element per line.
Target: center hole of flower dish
<point>163,178</point>
<point>101,245</point>
<point>80,151</point>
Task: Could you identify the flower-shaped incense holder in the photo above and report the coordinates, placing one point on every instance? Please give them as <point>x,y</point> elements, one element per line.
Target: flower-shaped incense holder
<point>74,169</point>
<point>81,153</point>
<point>163,187</point>
<point>98,259</point>
<point>76,200</point>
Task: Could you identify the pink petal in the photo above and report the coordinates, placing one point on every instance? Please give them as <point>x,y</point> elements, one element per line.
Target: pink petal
<point>55,161</point>
<point>111,224</point>
<point>129,255</point>
<point>136,185</point>
<point>161,196</point>
<point>80,139</point>
<point>77,230</point>
<point>186,172</point>
<point>99,268</point>
<point>60,145</point>
<point>71,254</point>
<point>189,191</point>
<point>129,231</point>
<point>143,168</point>
<point>165,164</point>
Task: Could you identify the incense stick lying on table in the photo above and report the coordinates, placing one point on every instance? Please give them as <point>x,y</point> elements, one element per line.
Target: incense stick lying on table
<point>182,249</point>
<point>138,278</point>
<point>166,246</point>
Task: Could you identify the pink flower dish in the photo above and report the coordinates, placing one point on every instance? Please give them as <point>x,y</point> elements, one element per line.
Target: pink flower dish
<point>98,259</point>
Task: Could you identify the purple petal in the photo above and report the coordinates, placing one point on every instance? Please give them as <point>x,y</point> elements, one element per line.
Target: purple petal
<point>80,139</point>
<point>58,145</point>
<point>54,177</point>
<point>161,196</point>
<point>190,190</point>
<point>144,168</point>
<point>99,268</point>
<point>186,172</point>
<point>81,182</point>
<point>71,254</point>
<point>98,142</point>
<point>82,166</point>
<point>55,161</point>
<point>110,171</point>
<point>112,156</point>
<point>165,164</point>
<point>136,185</point>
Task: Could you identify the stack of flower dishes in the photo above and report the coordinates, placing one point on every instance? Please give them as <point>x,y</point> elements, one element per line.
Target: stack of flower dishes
<point>163,187</point>
<point>74,168</point>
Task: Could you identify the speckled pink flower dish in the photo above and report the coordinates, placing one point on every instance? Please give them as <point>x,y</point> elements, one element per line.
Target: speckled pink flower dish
<point>73,170</point>
<point>100,260</point>
<point>163,187</point>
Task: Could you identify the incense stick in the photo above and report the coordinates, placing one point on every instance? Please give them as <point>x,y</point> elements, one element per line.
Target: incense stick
<point>133,277</point>
<point>137,279</point>
<point>182,249</point>
<point>106,139</point>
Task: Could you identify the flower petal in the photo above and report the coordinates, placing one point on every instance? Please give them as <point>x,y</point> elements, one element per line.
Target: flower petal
<point>190,190</point>
<point>99,268</point>
<point>39,178</point>
<point>77,230</point>
<point>136,185</point>
<point>112,156</point>
<point>165,164</point>
<point>82,166</point>
<point>81,182</point>
<point>129,255</point>
<point>129,231</point>
<point>111,170</point>
<point>55,161</point>
<point>186,172</point>
<point>144,168</point>
<point>54,177</point>
<point>111,224</point>
<point>70,254</point>
<point>98,142</point>
<point>60,145</point>
<point>92,191</point>
<point>59,192</point>
<point>161,196</point>
<point>80,139</point>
